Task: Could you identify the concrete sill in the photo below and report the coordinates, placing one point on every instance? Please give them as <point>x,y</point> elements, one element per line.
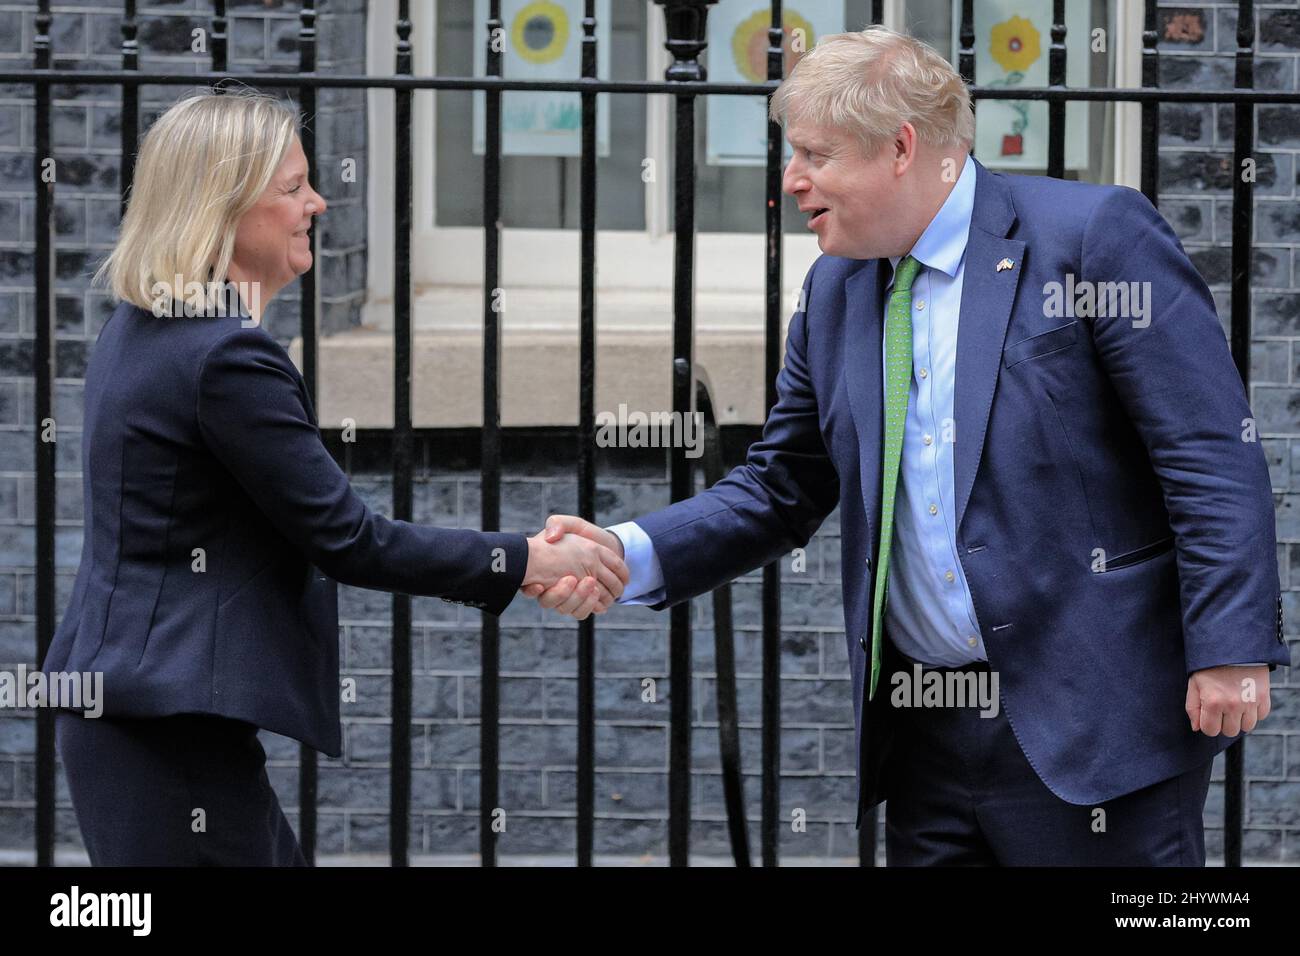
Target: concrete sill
<point>539,363</point>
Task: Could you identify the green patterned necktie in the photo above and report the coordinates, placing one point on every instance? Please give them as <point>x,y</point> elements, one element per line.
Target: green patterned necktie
<point>898,381</point>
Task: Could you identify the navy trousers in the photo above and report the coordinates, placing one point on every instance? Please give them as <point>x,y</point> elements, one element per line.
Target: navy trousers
<point>182,790</point>
<point>960,792</point>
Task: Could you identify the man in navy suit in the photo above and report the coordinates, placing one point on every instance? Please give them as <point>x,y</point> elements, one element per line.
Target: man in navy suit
<point>1018,394</point>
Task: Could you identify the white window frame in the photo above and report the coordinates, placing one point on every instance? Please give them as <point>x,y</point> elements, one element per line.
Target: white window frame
<point>729,266</point>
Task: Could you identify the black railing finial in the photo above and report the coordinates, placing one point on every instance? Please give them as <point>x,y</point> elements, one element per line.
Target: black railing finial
<point>686,22</point>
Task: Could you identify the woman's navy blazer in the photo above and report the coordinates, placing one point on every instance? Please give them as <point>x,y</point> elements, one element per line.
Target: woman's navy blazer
<point>217,525</point>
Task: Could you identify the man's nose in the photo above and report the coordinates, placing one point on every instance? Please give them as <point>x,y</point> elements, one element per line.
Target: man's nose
<point>790,178</point>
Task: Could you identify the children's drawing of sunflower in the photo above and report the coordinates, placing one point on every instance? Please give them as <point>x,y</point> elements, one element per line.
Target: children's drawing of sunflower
<point>1015,44</point>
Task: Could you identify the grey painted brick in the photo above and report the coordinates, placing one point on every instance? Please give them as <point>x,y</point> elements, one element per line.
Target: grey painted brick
<point>1288,517</point>
<point>618,698</point>
<point>17,735</point>
<point>536,834</point>
<point>517,791</point>
<point>615,792</point>
<point>368,833</point>
<point>17,646</point>
<point>1276,221</point>
<point>451,833</point>
<point>454,648</point>
<point>1274,803</point>
<point>634,651</point>
<point>838,749</point>
<point>1275,408</point>
<point>625,837</point>
<point>539,745</point>
<point>17,826</point>
<point>8,593</point>
<point>1279,466</point>
<point>371,742</point>
<point>453,743</point>
<point>539,649</point>
<point>631,746</point>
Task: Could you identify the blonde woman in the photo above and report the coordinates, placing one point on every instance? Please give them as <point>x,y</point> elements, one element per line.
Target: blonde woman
<point>216,522</point>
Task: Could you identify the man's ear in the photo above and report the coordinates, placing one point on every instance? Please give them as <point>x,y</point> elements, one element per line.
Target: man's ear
<point>904,146</point>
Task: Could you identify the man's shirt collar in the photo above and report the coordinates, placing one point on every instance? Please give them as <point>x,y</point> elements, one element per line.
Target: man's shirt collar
<point>943,243</point>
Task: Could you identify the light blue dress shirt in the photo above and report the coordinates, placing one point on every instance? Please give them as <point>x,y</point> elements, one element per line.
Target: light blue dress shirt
<point>930,616</point>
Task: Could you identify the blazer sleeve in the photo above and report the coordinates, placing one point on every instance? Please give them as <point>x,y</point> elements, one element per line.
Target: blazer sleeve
<point>764,508</point>
<point>1175,376</point>
<point>252,415</point>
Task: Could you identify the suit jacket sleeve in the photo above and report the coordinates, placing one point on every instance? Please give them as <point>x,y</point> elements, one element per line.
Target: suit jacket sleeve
<point>762,509</point>
<point>1174,373</point>
<point>253,416</point>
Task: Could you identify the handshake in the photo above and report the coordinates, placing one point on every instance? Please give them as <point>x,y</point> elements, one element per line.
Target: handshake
<point>575,567</point>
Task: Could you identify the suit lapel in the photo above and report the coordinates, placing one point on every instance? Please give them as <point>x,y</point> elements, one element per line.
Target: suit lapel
<point>987,295</point>
<point>986,300</point>
<point>863,334</point>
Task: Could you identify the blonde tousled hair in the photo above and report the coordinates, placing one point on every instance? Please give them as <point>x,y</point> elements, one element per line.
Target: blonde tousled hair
<point>203,164</point>
<point>869,83</point>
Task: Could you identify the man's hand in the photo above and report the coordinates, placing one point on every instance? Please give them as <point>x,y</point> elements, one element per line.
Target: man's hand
<point>590,576</point>
<point>1227,699</point>
<point>564,595</point>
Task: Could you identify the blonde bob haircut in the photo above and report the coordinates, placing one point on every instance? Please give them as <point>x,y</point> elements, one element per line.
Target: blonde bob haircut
<point>203,164</point>
<point>868,84</point>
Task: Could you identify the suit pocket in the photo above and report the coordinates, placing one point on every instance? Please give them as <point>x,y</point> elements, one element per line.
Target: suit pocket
<point>1147,552</point>
<point>1053,340</point>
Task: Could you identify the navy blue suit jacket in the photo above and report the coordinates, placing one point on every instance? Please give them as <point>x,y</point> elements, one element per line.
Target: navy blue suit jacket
<point>1071,434</point>
<point>217,526</point>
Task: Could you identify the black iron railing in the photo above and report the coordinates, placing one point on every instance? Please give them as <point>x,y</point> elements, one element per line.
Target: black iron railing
<point>685,79</point>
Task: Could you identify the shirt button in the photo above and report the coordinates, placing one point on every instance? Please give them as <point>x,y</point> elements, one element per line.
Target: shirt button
<point>927,439</point>
<point>947,575</point>
<point>934,510</point>
<point>920,304</point>
<point>971,641</point>
<point>922,372</point>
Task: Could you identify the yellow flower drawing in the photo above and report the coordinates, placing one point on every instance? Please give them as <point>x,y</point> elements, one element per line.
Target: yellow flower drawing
<point>749,43</point>
<point>1014,44</point>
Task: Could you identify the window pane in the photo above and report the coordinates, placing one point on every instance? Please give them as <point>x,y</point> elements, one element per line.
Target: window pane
<point>731,198</point>
<point>937,23</point>
<point>540,192</point>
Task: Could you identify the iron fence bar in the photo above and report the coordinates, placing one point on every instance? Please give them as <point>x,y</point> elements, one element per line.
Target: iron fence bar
<point>400,729</point>
<point>1150,108</point>
<point>966,37</point>
<point>771,767</point>
<point>1056,108</point>
<point>129,121</point>
<point>44,171</point>
<point>308,767</point>
<point>219,24</point>
<point>490,465</point>
<point>587,437</point>
<point>685,22</point>
<point>1243,211</point>
<point>700,88</point>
